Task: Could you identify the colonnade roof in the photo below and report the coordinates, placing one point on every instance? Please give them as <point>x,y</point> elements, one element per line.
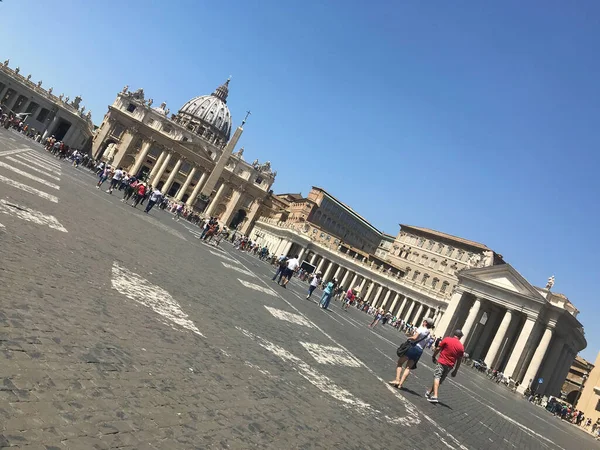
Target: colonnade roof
<point>447,236</point>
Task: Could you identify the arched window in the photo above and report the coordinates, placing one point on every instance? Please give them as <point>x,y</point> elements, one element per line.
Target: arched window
<point>434,283</point>
<point>445,285</point>
<point>416,275</point>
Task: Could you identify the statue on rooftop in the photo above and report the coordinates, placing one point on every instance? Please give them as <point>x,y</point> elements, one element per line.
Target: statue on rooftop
<point>125,89</point>
<point>550,282</point>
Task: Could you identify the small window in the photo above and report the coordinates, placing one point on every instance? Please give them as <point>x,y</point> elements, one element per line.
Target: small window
<point>131,107</point>
<point>449,251</point>
<point>425,278</point>
<point>167,129</point>
<point>434,283</point>
<point>258,180</point>
<point>43,115</point>
<point>416,275</point>
<point>598,406</point>
<point>445,285</point>
<point>150,122</point>
<point>430,245</point>
<point>185,139</point>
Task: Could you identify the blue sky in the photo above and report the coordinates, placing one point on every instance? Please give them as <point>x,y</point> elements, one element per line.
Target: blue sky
<point>475,119</point>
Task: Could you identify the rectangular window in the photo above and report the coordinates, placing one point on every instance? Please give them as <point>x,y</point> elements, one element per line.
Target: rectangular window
<point>449,251</point>
<point>598,406</point>
<point>131,107</point>
<point>43,115</point>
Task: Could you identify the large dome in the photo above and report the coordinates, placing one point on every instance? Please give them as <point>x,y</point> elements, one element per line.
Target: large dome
<point>208,115</point>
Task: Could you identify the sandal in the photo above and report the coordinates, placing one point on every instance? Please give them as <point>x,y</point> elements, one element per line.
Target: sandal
<point>394,383</point>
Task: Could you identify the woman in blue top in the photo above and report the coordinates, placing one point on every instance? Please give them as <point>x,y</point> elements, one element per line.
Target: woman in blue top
<point>327,293</point>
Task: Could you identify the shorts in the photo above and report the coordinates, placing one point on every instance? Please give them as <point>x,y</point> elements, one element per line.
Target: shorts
<point>287,273</point>
<point>441,372</point>
<point>414,353</point>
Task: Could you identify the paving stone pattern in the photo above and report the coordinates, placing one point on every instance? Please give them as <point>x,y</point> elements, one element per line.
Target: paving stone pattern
<point>85,367</point>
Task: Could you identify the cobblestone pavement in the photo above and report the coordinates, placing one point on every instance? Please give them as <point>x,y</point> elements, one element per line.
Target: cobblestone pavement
<point>121,330</point>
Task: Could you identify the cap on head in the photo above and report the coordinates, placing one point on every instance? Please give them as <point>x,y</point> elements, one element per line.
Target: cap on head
<point>458,333</point>
<point>429,322</point>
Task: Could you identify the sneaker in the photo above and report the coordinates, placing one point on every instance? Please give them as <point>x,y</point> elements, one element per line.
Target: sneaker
<point>427,395</point>
<point>431,399</point>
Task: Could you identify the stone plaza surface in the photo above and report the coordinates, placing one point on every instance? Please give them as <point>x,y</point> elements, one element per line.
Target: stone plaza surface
<point>121,330</point>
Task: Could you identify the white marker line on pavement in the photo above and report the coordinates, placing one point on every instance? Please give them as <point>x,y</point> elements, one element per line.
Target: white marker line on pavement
<point>35,169</point>
<point>322,382</point>
<point>28,175</point>
<point>14,152</point>
<point>289,317</point>
<point>238,269</point>
<point>227,258</point>
<point>343,318</point>
<point>330,316</point>
<point>388,357</point>
<point>412,411</point>
<point>29,189</point>
<point>45,159</point>
<point>39,164</point>
<point>257,287</point>
<point>30,215</point>
<point>140,290</point>
<point>326,354</point>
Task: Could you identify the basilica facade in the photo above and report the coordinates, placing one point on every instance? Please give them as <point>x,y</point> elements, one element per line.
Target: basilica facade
<point>190,156</point>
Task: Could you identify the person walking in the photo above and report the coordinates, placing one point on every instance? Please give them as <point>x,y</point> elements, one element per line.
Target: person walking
<point>281,265</point>
<point>350,296</point>
<point>316,280</point>
<point>116,180</point>
<point>155,197</point>
<point>140,193</point>
<point>327,293</point>
<point>413,354</point>
<point>288,273</point>
<point>450,351</point>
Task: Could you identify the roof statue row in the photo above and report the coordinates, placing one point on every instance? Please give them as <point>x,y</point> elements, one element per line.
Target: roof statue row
<point>74,106</point>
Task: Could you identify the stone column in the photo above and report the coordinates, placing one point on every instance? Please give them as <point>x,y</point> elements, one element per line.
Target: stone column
<point>233,205</point>
<point>437,318</point>
<point>251,217</point>
<point>215,201</point>
<point>446,319</point>
<point>101,136</point>
<point>386,298</point>
<point>186,185</point>
<point>124,147</point>
<point>410,310</point>
<point>517,351</point>
<point>426,312</point>
<point>498,339</point>
<point>377,294</point>
<point>192,198</point>
<point>161,170</point>
<point>328,271</point>
<point>554,352</point>
<point>536,361</point>
<point>369,291</point>
<point>402,305</point>
<point>466,329</point>
<point>396,298</point>
<point>320,265</point>
<point>343,283</point>
<point>555,382</point>
<point>301,254</point>
<point>172,176</point>
<point>157,165</point>
<point>338,272</point>
<point>49,128</point>
<point>362,284</point>
<point>141,157</point>
<point>287,248</point>
<point>416,316</point>
<point>354,280</point>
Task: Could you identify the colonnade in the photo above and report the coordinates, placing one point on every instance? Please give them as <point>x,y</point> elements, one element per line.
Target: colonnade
<point>372,288</point>
<point>526,347</point>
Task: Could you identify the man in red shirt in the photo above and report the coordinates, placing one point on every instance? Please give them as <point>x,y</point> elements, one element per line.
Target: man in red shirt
<point>451,352</point>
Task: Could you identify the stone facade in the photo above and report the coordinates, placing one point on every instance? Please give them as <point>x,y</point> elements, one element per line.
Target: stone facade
<point>43,111</point>
<point>531,334</point>
<point>589,400</point>
<point>576,379</point>
<point>188,156</point>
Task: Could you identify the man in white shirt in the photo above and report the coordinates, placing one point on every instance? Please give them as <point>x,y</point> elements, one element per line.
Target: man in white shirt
<point>292,266</point>
<point>316,280</point>
<point>154,198</point>
<point>116,179</point>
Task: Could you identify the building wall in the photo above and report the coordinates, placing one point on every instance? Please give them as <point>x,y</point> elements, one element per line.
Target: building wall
<point>430,261</point>
<point>589,401</point>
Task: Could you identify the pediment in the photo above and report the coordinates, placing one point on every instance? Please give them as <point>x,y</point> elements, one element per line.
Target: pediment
<point>506,277</point>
